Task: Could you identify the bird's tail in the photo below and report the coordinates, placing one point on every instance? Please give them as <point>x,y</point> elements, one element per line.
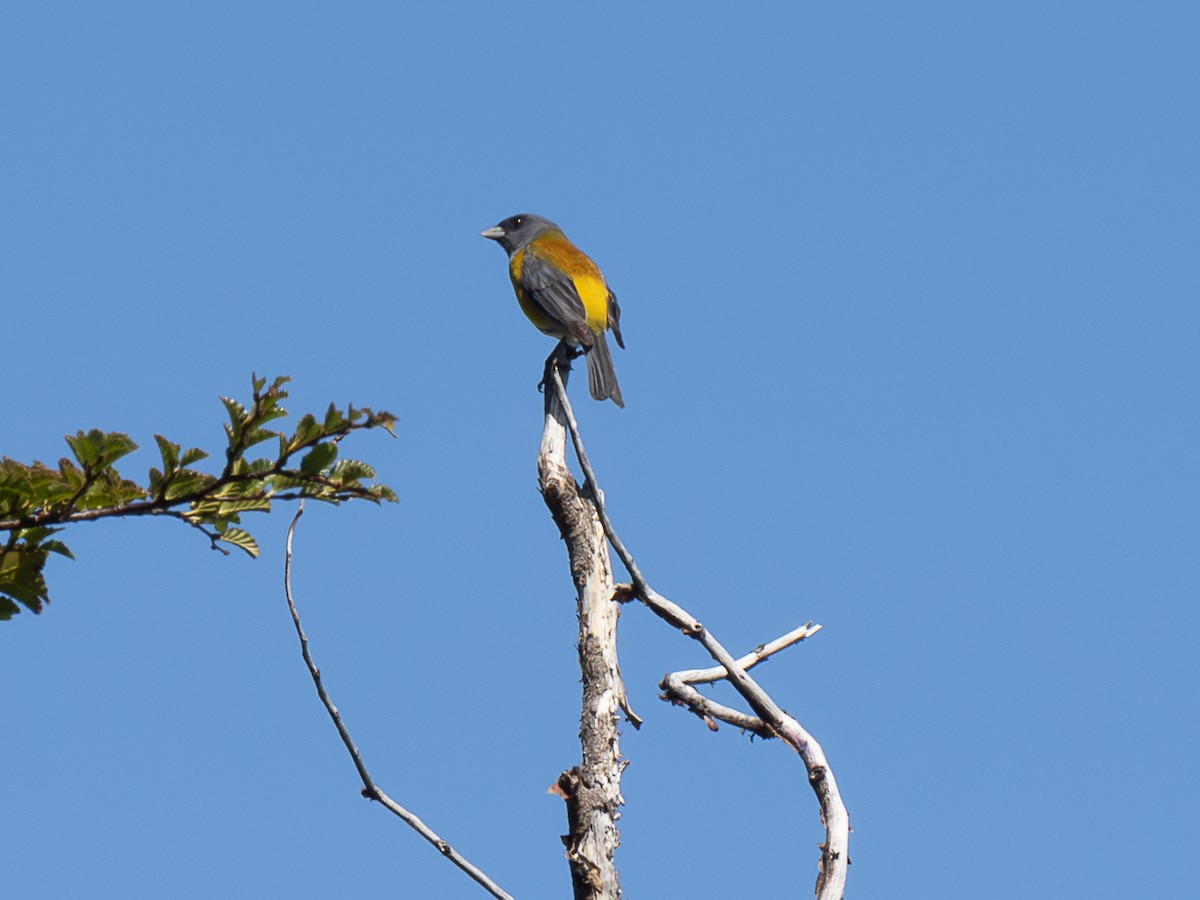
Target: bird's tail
<point>602,379</point>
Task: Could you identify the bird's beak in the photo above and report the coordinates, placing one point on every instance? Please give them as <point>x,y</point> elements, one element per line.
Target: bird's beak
<point>493,234</point>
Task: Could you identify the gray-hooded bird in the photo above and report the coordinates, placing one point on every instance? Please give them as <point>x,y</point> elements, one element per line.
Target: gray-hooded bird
<point>562,292</point>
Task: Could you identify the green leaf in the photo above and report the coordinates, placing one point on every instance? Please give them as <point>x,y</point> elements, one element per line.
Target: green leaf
<point>209,509</point>
<point>249,504</point>
<point>258,435</point>
<point>252,487</point>
<point>270,413</point>
<point>188,482</point>
<point>333,418</point>
<point>237,412</point>
<point>58,547</point>
<point>99,450</point>
<point>117,445</point>
<point>277,483</point>
<point>14,477</point>
<point>384,420</point>
<point>318,458</point>
<point>237,419</point>
<point>194,455</point>
<point>71,474</point>
<point>169,452</point>
<point>307,430</point>
<point>350,471</point>
<point>240,538</point>
<point>109,489</point>
<point>21,577</point>
<point>86,447</point>
<point>47,487</point>
<point>37,534</point>
<point>261,466</point>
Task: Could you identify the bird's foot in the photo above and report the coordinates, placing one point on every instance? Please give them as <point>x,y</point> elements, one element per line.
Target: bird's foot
<point>560,358</point>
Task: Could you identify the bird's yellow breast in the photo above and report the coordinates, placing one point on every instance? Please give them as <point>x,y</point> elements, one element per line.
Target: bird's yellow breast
<point>554,248</point>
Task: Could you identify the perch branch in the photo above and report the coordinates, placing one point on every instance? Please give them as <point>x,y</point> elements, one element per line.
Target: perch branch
<point>831,876</point>
<point>371,790</point>
<point>592,789</point>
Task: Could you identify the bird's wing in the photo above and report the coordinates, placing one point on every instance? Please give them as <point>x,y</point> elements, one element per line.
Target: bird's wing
<point>614,318</point>
<point>554,293</point>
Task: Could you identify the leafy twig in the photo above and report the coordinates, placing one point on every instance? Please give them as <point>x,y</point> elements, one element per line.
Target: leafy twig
<point>36,498</point>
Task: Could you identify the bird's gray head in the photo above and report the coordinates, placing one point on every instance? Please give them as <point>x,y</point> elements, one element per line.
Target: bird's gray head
<point>516,231</point>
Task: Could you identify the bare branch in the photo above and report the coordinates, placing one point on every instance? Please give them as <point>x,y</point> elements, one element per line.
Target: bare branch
<point>592,790</point>
<point>759,654</point>
<point>371,790</point>
<point>683,694</point>
<point>831,878</point>
<point>213,537</point>
<point>678,687</point>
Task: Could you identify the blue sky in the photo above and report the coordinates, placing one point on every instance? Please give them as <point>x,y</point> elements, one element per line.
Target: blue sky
<point>909,295</point>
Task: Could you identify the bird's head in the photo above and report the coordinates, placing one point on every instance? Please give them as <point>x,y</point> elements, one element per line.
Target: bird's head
<point>516,231</point>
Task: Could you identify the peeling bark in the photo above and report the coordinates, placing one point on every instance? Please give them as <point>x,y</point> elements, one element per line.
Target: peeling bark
<point>592,790</point>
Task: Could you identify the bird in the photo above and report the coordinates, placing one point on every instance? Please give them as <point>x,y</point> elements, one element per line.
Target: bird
<point>563,293</point>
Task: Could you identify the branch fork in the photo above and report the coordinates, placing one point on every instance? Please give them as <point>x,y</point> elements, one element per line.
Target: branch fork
<point>768,720</point>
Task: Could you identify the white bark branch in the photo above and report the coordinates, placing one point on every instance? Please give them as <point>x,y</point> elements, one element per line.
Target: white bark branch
<point>592,790</point>
<point>371,790</point>
<point>831,877</point>
<point>759,654</point>
<point>678,687</point>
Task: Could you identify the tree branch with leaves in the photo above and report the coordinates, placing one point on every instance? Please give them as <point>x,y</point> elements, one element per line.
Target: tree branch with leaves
<point>38,500</point>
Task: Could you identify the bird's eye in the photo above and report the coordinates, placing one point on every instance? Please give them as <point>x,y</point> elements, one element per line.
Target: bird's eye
<point>518,221</point>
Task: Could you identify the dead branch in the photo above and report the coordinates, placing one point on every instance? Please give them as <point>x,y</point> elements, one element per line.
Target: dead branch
<point>678,687</point>
<point>831,877</point>
<point>759,654</point>
<point>592,790</point>
<point>371,790</point>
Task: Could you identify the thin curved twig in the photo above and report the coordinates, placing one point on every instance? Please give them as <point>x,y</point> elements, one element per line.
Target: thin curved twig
<point>371,790</point>
<point>831,878</point>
